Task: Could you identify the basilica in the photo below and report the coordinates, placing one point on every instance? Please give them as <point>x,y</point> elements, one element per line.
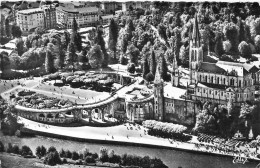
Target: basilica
<point>215,81</point>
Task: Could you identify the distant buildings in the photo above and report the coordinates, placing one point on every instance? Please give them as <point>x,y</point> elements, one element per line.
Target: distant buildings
<point>49,13</point>
<point>85,16</point>
<point>30,19</point>
<point>109,7</point>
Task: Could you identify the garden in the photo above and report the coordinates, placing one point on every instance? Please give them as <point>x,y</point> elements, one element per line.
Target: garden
<point>35,100</point>
<point>83,80</point>
<point>167,130</point>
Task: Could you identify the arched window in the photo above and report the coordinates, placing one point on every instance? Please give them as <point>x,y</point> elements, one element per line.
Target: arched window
<point>212,79</point>
<point>239,83</point>
<point>224,81</point>
<point>232,82</point>
<point>217,80</point>
<point>206,79</point>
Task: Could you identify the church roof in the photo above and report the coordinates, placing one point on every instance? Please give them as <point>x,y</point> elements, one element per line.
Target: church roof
<point>225,67</point>
<point>211,67</point>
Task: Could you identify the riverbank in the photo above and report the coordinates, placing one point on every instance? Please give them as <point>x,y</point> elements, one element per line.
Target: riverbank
<point>119,135</point>
<point>15,161</point>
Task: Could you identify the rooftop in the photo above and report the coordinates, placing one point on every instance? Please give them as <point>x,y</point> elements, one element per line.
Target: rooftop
<point>30,11</point>
<point>78,10</point>
<point>173,92</point>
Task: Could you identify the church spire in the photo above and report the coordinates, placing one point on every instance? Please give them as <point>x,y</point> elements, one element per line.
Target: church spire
<point>157,78</point>
<point>195,32</point>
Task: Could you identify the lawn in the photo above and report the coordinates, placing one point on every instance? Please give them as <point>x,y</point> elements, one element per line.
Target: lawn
<point>14,161</point>
<point>74,94</point>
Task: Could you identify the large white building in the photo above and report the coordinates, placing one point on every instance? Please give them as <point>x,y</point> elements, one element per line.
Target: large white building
<point>84,15</point>
<point>30,19</point>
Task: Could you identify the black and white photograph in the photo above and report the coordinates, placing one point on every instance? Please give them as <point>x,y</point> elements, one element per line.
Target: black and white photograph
<point>129,84</point>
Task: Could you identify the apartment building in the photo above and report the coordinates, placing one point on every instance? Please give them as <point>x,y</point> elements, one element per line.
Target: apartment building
<point>85,16</point>
<point>49,12</point>
<point>29,19</point>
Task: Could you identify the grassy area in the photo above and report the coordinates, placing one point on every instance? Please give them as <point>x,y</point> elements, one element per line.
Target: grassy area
<point>7,84</point>
<point>15,161</point>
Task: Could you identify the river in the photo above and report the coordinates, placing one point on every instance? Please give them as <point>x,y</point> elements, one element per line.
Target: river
<point>172,158</point>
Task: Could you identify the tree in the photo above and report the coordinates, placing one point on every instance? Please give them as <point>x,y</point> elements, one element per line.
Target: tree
<point>25,150</point>
<point>133,53</point>
<point>162,31</point>
<point>7,27</point>
<point>219,45</point>
<point>75,155</point>
<point>2,147</point>
<point>70,56</point>
<point>16,31</point>
<point>244,50</point>
<point>123,60</point>
<point>152,62</point>
<point>131,68</point>
<point>5,61</point>
<point>51,149</point>
<point>257,43</point>
<point>130,28</point>
<point>163,68</point>
<point>124,43</point>
<point>78,42</point>
<point>103,155</point>
<point>95,56</point>
<point>49,62</point>
<point>149,77</point>
<point>99,40</point>
<point>52,158</point>
<point>19,46</point>
<point>65,39</point>
<point>145,68</point>
<point>231,33</point>
<point>113,35</point>
<point>62,153</point>
<point>2,26</point>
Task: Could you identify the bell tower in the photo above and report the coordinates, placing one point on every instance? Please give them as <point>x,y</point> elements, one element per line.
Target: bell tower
<point>175,73</point>
<point>195,52</point>
<point>158,96</point>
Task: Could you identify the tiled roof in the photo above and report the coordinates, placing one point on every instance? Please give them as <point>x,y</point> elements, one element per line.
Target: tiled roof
<point>30,11</point>
<point>211,67</point>
<point>79,10</point>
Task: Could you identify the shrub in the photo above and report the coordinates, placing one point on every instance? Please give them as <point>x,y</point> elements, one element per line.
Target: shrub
<point>68,154</point>
<point>43,150</point>
<point>52,158</point>
<point>40,151</point>
<point>95,155</point>
<point>103,156</point>
<point>51,149</point>
<point>62,153</point>
<point>26,151</point>
<point>9,148</point>
<point>75,155</point>
<point>16,149</point>
<point>2,147</point>
<point>64,161</point>
<point>90,159</point>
